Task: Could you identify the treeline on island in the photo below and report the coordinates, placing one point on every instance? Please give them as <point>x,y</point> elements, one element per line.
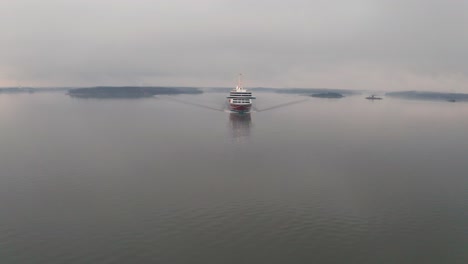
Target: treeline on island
<point>302,91</point>
<point>130,91</point>
<point>328,95</point>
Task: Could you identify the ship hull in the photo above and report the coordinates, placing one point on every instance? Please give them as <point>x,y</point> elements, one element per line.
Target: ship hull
<point>244,108</point>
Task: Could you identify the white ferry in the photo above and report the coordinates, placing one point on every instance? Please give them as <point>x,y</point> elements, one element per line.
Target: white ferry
<point>240,100</point>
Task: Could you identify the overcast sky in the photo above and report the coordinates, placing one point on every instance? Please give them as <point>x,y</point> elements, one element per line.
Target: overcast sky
<point>356,44</point>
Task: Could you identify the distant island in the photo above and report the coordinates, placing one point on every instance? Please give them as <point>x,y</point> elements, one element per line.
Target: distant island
<point>13,90</point>
<point>129,91</point>
<point>327,95</point>
<point>20,90</point>
<point>301,91</point>
<point>324,91</point>
<point>433,96</point>
<point>149,91</point>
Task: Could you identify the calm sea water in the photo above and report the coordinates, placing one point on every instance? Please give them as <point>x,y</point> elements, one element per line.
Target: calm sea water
<point>175,181</point>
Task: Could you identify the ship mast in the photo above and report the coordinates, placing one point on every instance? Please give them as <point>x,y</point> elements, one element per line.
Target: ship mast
<point>239,82</point>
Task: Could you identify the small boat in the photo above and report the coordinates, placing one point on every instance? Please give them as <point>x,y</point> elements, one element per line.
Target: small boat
<point>452,100</point>
<point>373,97</point>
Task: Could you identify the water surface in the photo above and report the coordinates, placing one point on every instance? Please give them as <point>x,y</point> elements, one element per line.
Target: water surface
<point>176,181</point>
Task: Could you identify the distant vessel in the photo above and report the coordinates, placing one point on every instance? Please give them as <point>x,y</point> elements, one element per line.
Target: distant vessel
<point>373,97</point>
<point>452,96</point>
<point>239,99</point>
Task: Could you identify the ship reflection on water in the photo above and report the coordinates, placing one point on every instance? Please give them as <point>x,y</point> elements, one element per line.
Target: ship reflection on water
<point>240,125</point>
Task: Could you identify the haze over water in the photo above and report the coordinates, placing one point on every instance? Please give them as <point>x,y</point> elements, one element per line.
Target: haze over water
<point>159,181</point>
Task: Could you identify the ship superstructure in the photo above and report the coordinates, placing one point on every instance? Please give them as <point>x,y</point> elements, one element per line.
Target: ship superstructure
<point>239,99</point>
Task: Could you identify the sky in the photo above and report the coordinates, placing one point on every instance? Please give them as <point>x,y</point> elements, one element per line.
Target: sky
<point>347,44</point>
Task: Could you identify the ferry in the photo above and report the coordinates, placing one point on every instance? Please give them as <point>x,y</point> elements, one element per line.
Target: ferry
<point>239,99</point>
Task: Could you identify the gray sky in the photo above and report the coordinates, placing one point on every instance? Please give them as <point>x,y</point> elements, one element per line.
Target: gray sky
<point>356,44</point>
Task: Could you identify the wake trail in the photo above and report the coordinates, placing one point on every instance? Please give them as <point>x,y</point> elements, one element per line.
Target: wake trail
<point>282,105</point>
<point>192,104</point>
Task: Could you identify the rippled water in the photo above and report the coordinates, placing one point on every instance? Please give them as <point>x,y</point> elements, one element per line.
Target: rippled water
<point>177,181</point>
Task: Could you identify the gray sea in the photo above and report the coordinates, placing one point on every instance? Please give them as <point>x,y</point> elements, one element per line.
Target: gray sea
<point>176,179</point>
